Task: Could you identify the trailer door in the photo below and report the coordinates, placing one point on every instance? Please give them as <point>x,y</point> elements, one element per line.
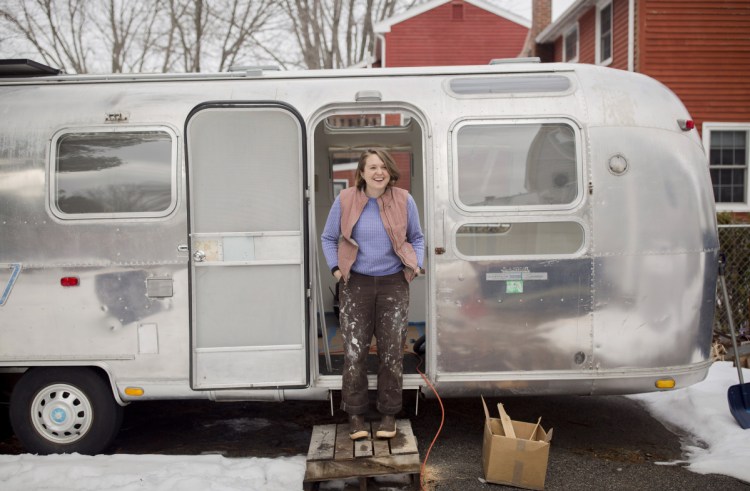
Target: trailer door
<point>514,278</point>
<point>247,221</point>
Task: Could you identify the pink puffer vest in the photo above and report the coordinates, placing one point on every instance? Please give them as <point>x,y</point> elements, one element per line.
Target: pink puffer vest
<point>393,212</point>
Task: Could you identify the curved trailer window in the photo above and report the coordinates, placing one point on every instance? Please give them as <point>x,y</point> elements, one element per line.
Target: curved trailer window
<point>520,238</point>
<point>113,174</point>
<point>516,165</point>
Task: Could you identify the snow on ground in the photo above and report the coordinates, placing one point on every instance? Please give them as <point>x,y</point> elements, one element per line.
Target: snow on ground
<point>718,446</point>
<point>152,472</point>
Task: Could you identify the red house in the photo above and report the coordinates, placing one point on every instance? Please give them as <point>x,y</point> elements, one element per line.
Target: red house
<point>699,49</point>
<point>449,32</point>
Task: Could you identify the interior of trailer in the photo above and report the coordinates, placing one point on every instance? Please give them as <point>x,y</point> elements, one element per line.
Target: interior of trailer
<point>339,139</point>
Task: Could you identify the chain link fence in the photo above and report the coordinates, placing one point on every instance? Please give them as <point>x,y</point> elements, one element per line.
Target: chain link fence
<point>735,243</point>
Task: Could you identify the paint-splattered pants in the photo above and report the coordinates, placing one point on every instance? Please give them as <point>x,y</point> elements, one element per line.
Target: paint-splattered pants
<point>373,305</point>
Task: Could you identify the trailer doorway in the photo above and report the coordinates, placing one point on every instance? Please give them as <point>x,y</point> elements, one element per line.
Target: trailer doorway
<point>339,139</point>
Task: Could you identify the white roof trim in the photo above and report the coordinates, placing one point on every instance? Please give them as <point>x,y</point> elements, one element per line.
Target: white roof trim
<point>565,21</point>
<point>385,25</point>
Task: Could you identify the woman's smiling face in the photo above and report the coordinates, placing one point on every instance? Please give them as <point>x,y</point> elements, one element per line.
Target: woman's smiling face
<point>376,176</point>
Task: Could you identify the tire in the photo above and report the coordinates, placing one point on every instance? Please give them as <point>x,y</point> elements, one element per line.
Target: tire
<point>64,410</point>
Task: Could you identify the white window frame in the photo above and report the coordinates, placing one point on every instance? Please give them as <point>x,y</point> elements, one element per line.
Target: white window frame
<point>51,200</point>
<point>570,31</point>
<point>707,129</point>
<point>599,7</point>
<point>454,167</point>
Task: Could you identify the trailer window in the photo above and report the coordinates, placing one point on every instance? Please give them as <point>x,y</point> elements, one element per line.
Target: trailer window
<point>516,165</point>
<point>114,174</point>
<point>505,85</point>
<point>519,239</point>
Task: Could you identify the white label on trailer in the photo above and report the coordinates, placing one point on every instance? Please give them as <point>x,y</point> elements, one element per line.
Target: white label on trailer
<point>516,275</point>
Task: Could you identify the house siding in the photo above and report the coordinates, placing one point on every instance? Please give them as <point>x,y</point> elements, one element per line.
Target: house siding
<point>620,34</point>
<point>700,50</point>
<point>587,37</point>
<point>435,38</point>
<point>558,50</point>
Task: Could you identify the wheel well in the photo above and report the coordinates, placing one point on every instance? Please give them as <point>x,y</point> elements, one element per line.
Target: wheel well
<point>65,409</point>
<point>10,378</point>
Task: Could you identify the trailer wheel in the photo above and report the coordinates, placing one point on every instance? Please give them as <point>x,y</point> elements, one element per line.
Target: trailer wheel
<point>64,410</point>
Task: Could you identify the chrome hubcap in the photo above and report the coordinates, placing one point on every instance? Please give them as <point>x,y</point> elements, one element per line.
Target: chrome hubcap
<point>61,413</point>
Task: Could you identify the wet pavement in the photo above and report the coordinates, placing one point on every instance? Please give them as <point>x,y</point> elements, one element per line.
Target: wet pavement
<point>603,442</point>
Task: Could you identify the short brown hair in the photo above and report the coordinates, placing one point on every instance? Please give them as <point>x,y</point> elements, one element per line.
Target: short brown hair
<point>390,166</point>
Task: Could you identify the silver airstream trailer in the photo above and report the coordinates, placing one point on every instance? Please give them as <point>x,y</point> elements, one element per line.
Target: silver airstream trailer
<point>159,235</point>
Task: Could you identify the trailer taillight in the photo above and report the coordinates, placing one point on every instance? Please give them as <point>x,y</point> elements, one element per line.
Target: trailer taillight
<point>686,124</point>
<point>70,281</point>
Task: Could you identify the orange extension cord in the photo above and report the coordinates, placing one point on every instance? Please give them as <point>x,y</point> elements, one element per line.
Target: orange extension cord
<point>442,420</point>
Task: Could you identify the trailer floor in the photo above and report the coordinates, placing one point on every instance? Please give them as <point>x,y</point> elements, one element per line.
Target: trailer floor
<point>412,361</point>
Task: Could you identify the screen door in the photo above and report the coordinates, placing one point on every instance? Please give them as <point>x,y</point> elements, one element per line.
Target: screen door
<point>247,215</point>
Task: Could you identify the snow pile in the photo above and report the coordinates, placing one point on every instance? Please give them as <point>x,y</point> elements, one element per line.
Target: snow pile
<point>715,443</point>
<point>152,472</point>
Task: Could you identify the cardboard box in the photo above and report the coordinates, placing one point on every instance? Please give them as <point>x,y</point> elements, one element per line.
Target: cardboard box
<point>513,452</point>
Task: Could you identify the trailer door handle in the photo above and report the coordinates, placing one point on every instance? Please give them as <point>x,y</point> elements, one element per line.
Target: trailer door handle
<point>199,256</point>
<point>182,248</point>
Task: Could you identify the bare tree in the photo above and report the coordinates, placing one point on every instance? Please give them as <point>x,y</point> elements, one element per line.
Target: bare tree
<point>219,32</point>
<point>95,35</point>
<point>55,28</point>
<point>337,33</point>
<point>189,35</point>
<point>240,22</point>
<point>188,24</point>
<point>132,30</point>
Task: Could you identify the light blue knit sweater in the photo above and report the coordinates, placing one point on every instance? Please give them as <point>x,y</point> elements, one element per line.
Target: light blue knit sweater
<point>375,256</point>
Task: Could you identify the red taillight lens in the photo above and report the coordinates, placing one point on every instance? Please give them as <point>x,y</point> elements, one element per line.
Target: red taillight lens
<point>69,281</point>
<point>686,124</point>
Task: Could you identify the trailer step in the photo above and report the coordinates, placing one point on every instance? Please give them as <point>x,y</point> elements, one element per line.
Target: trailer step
<point>334,456</point>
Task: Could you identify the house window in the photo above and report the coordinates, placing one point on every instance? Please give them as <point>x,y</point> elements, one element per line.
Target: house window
<point>570,45</point>
<point>516,165</point>
<point>113,173</point>
<point>726,146</point>
<point>604,34</point>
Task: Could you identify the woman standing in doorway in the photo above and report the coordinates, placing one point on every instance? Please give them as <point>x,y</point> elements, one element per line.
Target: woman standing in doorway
<point>380,251</point>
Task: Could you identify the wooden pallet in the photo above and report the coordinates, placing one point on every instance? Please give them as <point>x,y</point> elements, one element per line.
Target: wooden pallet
<point>333,455</point>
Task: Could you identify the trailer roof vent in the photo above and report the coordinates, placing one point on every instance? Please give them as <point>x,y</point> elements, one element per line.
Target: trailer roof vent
<point>25,68</point>
<point>507,61</point>
<point>368,96</point>
<point>254,70</point>
<point>510,84</point>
